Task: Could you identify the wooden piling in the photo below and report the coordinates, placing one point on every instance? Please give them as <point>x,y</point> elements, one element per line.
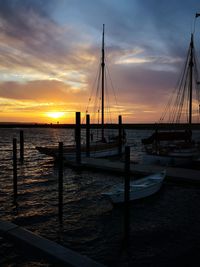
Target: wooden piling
<point>127,196</point>
<point>87,135</point>
<point>15,169</point>
<point>92,137</point>
<point>22,146</point>
<point>127,173</point>
<point>78,137</point>
<point>120,133</point>
<point>60,182</point>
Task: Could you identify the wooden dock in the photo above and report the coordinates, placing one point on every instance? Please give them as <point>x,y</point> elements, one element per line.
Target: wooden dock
<point>118,167</point>
<point>35,245</point>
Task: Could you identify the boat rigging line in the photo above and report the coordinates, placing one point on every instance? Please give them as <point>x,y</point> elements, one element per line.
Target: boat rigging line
<point>179,107</point>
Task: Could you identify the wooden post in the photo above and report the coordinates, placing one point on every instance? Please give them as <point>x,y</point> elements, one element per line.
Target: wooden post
<point>120,134</point>
<point>92,137</point>
<point>15,169</point>
<point>127,196</point>
<point>21,146</point>
<point>88,135</point>
<point>157,142</point>
<point>78,137</point>
<point>60,182</point>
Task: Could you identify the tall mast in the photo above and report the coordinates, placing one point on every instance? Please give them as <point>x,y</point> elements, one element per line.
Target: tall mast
<point>102,86</point>
<point>191,65</point>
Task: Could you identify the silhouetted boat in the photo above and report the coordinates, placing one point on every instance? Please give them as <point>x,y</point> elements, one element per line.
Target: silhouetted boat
<point>139,188</point>
<point>113,145</point>
<point>177,146</point>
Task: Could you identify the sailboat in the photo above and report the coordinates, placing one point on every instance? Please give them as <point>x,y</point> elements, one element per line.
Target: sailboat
<point>176,146</point>
<point>105,146</point>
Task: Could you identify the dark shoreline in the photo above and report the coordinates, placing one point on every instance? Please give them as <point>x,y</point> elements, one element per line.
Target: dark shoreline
<point>139,126</point>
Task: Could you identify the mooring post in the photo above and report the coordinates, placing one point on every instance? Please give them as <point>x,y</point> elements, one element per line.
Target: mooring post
<point>15,169</point>
<point>127,196</point>
<point>78,137</point>
<point>92,137</point>
<point>87,135</point>
<point>60,182</point>
<point>22,146</point>
<point>120,134</point>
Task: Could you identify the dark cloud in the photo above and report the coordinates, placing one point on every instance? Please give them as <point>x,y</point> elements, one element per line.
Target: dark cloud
<point>18,16</point>
<point>159,26</point>
<point>41,6</point>
<point>28,33</point>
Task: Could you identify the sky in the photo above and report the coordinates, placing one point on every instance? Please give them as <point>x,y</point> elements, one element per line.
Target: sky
<point>50,54</point>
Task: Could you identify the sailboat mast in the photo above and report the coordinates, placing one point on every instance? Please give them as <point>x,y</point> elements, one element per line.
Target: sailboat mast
<point>191,64</point>
<point>102,85</point>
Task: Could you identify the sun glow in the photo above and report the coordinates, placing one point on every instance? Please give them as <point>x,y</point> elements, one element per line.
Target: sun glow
<point>55,114</point>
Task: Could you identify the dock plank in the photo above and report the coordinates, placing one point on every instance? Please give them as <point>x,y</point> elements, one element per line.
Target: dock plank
<point>53,252</point>
<point>117,167</point>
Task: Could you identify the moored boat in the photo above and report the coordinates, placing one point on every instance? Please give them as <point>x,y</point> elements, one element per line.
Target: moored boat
<point>97,150</point>
<point>172,145</point>
<point>140,188</point>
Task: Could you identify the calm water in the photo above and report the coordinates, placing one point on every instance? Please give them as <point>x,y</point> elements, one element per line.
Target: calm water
<point>90,225</point>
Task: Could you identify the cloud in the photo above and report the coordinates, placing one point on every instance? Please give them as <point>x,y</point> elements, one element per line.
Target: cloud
<point>31,100</point>
<point>159,26</point>
<point>140,84</point>
<point>33,46</point>
<point>40,90</point>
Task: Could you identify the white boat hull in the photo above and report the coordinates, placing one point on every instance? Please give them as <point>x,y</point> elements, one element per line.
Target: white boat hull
<point>139,189</point>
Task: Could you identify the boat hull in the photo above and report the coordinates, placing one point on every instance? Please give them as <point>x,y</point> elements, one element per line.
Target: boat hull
<point>175,157</point>
<point>96,151</point>
<point>139,189</point>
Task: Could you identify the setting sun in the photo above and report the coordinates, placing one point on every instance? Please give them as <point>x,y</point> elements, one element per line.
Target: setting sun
<point>55,114</point>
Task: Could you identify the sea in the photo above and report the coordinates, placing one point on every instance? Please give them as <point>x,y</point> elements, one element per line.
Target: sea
<point>164,228</point>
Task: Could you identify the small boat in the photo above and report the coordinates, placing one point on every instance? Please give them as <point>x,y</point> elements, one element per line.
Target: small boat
<point>139,188</point>
<point>104,146</point>
<point>172,142</point>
